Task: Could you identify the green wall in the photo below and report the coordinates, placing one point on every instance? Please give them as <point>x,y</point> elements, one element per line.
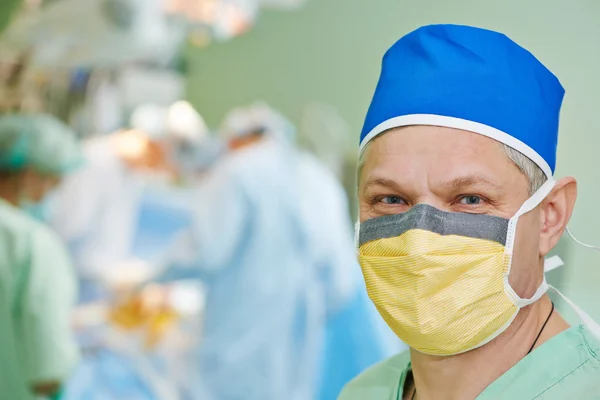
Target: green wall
<point>330,51</point>
<point>7,7</point>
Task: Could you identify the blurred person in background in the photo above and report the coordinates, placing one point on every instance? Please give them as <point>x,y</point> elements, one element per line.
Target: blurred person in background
<point>95,210</point>
<point>37,280</point>
<point>248,244</point>
<point>191,148</point>
<point>118,214</point>
<point>272,242</point>
<point>101,211</point>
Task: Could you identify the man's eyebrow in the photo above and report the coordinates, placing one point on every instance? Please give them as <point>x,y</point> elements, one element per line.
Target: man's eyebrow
<point>464,182</point>
<point>389,183</point>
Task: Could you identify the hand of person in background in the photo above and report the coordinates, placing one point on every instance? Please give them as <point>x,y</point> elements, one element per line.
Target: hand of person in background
<point>146,310</point>
<point>47,389</point>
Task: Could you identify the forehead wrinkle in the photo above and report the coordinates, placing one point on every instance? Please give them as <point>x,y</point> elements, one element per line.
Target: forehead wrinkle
<point>380,181</point>
<point>391,157</point>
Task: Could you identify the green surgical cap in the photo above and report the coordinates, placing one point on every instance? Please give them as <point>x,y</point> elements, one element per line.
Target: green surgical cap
<point>38,141</point>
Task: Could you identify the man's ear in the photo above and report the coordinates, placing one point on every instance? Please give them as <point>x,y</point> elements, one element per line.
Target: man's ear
<point>556,212</point>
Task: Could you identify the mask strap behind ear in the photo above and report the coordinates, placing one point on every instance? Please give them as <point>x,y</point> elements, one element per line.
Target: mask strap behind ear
<point>554,262</point>
<point>527,206</point>
<point>536,198</point>
<point>589,246</point>
<point>551,263</point>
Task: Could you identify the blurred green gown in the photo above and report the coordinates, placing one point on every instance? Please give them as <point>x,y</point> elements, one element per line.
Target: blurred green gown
<point>37,291</point>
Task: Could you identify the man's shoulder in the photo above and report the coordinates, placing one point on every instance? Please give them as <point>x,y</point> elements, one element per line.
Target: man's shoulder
<point>379,381</point>
<point>591,339</point>
<point>571,370</point>
<point>567,366</point>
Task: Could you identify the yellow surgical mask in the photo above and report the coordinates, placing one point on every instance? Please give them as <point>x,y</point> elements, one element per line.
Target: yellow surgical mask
<point>440,279</point>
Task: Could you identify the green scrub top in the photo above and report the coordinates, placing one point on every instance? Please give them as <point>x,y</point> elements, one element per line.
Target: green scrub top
<point>565,367</point>
<point>37,292</point>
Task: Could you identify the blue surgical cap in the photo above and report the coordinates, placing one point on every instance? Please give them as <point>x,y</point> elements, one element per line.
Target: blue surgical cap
<point>471,79</point>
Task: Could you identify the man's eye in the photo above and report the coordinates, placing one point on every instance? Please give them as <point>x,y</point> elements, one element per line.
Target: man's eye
<point>471,200</point>
<point>392,200</point>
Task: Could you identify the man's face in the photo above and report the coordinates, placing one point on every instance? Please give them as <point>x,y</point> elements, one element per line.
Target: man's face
<point>456,171</point>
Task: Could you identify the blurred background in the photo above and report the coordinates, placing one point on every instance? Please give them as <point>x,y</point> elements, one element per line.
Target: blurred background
<point>205,206</point>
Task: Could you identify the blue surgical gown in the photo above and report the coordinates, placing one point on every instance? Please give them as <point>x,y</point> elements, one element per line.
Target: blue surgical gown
<point>266,302</point>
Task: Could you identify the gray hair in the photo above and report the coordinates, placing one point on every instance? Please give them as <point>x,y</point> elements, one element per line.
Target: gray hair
<point>531,170</point>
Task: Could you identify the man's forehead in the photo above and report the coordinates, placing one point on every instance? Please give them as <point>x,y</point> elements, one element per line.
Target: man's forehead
<point>419,137</point>
<point>445,154</point>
